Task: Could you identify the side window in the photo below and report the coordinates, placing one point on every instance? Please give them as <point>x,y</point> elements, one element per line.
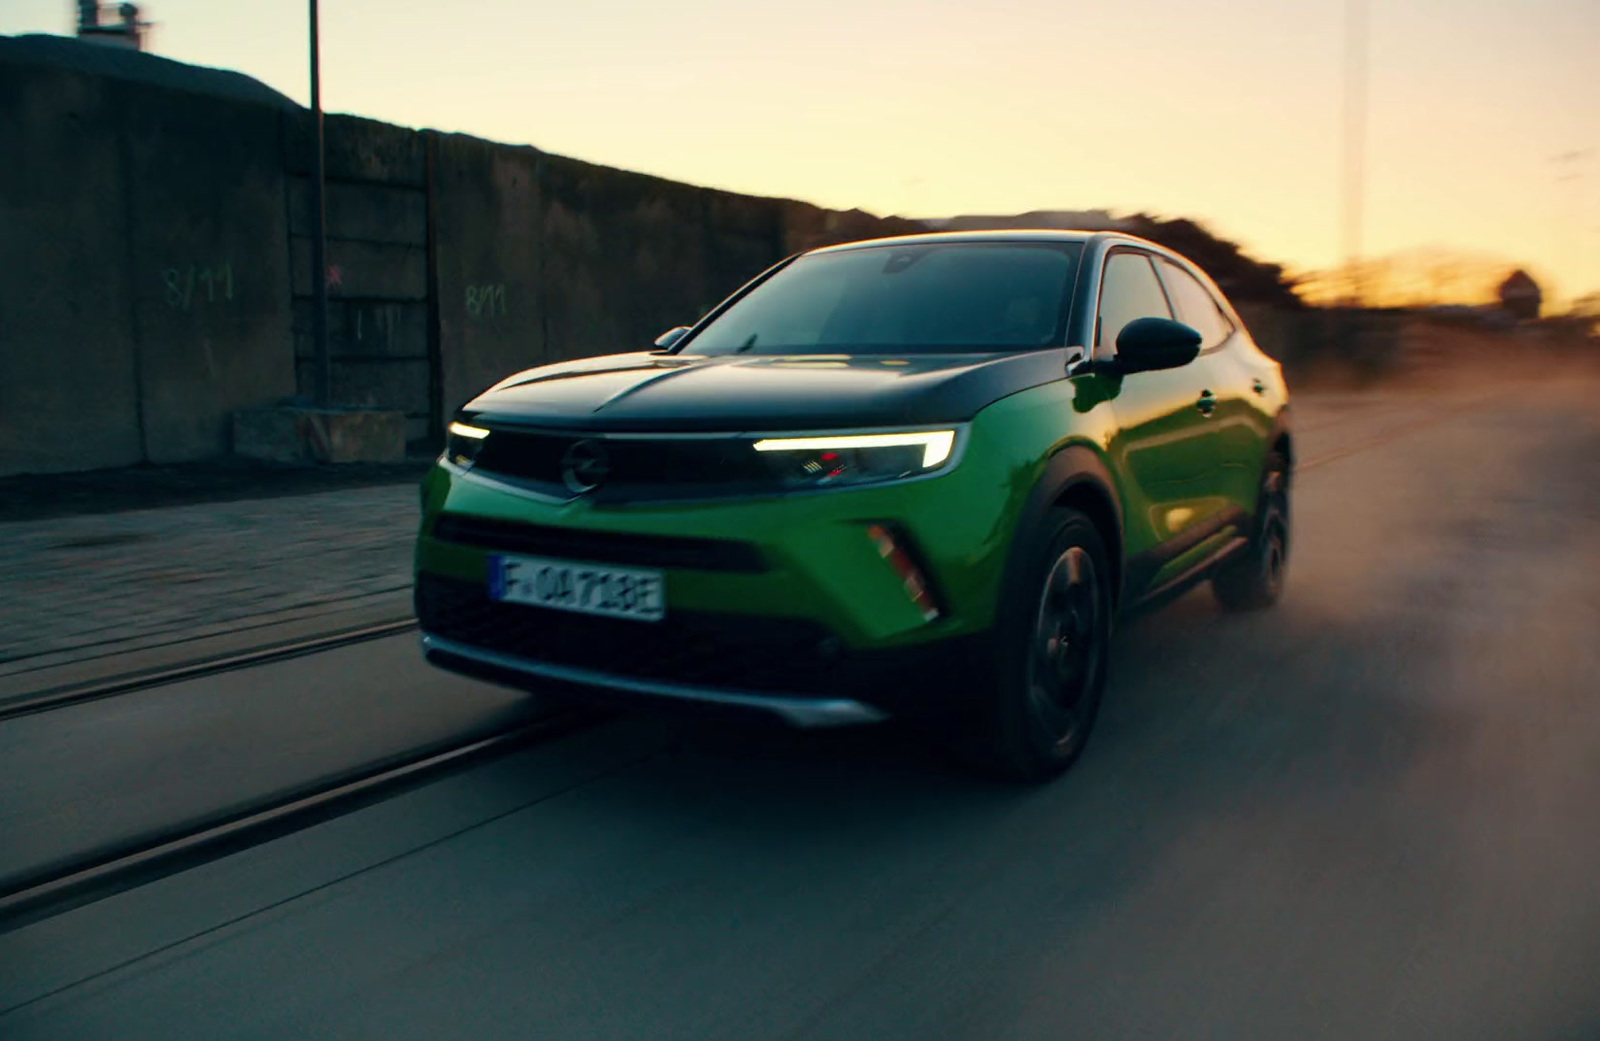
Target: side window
<point>1196,307</point>
<point>1128,290</point>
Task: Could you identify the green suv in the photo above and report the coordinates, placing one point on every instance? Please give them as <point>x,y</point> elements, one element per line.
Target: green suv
<point>918,476</point>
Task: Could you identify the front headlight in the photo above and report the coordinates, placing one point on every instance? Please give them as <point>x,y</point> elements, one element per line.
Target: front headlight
<point>463,442</point>
<point>834,459</point>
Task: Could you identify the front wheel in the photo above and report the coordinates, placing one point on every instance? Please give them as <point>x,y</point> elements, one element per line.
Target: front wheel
<point>1254,579</point>
<point>1052,646</point>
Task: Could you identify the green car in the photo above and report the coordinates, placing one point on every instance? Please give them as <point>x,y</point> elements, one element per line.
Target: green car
<point>910,477</point>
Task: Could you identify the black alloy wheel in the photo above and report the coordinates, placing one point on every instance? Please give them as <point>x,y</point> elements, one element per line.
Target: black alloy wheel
<point>1254,580</point>
<point>1053,642</point>
<point>1066,645</point>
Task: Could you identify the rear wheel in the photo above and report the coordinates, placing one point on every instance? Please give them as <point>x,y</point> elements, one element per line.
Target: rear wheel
<point>1051,645</point>
<point>1254,579</point>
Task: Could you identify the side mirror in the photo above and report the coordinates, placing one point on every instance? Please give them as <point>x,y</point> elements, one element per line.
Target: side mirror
<point>1146,344</point>
<point>665,341</point>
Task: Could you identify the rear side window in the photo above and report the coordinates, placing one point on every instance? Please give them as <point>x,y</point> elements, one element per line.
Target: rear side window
<point>1128,290</point>
<point>1196,307</point>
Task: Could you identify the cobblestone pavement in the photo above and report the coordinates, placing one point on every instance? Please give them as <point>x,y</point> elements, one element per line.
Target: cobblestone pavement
<point>74,584</point>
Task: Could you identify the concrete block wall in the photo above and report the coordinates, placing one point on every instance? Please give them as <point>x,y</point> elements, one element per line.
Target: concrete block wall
<point>533,258</point>
<point>378,311</point>
<point>1319,342</point>
<point>143,235</point>
<point>543,258</point>
<point>625,258</point>
<point>489,249</point>
<point>809,227</point>
<point>156,240</point>
<point>206,241</point>
<point>69,396</point>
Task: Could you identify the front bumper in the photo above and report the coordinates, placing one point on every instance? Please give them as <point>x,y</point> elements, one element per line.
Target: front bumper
<point>514,671</point>
<point>787,600</point>
<point>793,668</point>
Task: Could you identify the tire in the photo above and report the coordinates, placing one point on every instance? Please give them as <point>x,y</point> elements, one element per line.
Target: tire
<point>1254,580</point>
<point>1051,649</point>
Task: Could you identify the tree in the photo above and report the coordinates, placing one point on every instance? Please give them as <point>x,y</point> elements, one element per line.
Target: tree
<point>1521,296</point>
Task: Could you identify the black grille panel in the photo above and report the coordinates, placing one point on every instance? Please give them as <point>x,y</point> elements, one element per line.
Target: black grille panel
<point>732,652</point>
<point>640,468</point>
<point>601,547</point>
<point>533,457</point>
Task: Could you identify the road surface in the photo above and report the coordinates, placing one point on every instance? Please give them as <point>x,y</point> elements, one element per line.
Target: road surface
<point>1373,812</point>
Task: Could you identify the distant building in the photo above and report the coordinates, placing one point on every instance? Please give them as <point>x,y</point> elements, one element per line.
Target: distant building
<point>1520,295</point>
<point>96,25</point>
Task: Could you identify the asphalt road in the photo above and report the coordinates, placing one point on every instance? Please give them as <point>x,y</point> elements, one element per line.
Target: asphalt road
<point>1372,812</point>
<point>95,777</point>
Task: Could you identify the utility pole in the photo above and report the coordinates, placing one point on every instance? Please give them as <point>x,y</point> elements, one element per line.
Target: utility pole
<point>1355,141</point>
<point>323,366</point>
<point>1569,224</point>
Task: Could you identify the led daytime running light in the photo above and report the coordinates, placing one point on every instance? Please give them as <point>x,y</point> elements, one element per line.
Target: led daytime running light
<point>936,444</point>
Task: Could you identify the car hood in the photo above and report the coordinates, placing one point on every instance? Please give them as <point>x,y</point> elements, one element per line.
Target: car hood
<point>666,392</point>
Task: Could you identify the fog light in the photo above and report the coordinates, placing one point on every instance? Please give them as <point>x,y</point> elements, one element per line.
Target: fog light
<point>893,550</point>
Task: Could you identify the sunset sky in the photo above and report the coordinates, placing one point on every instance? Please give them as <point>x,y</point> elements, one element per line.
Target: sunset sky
<point>1228,111</point>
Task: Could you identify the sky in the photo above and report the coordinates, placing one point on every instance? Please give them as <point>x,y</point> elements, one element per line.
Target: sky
<point>1229,112</point>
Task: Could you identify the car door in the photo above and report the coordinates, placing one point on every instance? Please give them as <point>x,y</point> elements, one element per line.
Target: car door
<point>1238,383</point>
<point>1166,442</point>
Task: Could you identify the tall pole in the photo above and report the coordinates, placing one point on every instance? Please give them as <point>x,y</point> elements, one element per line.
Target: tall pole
<point>1570,224</point>
<point>319,231</point>
<point>1355,140</point>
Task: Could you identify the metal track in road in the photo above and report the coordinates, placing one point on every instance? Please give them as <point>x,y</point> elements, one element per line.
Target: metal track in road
<point>74,694</point>
<point>158,855</point>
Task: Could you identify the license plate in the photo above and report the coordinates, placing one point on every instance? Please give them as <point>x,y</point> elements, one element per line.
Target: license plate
<point>566,585</point>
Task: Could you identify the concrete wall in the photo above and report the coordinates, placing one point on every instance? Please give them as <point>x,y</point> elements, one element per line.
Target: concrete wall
<point>1315,344</point>
<point>533,258</point>
<point>156,239</point>
<point>205,258</point>
<point>542,258</point>
<point>490,263</point>
<point>625,258</point>
<point>378,321</point>
<point>68,384</point>
<point>809,227</point>
<point>143,238</point>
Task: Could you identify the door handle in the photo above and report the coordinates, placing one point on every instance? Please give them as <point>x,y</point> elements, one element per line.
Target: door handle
<point>1207,403</point>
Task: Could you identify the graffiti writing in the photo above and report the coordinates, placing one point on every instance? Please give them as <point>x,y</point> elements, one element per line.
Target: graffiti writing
<point>486,301</point>
<point>198,284</point>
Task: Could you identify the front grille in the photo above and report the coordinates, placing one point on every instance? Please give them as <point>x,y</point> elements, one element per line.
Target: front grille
<point>731,652</point>
<point>532,456</point>
<point>601,547</point>
<point>640,467</point>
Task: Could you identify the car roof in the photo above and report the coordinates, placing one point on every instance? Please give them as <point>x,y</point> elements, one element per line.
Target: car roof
<point>995,235</point>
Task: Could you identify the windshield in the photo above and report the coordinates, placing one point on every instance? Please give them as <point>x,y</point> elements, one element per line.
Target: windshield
<point>925,297</point>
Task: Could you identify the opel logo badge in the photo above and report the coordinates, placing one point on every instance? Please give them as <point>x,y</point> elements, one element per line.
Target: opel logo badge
<point>585,466</point>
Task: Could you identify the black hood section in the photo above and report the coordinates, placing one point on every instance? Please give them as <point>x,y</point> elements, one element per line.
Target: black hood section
<point>650,393</point>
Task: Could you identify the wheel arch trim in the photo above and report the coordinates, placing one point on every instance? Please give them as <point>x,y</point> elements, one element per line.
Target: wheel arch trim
<point>1076,472</point>
<point>1283,430</point>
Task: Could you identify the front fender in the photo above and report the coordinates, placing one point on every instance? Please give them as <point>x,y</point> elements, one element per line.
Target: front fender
<point>1075,476</point>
